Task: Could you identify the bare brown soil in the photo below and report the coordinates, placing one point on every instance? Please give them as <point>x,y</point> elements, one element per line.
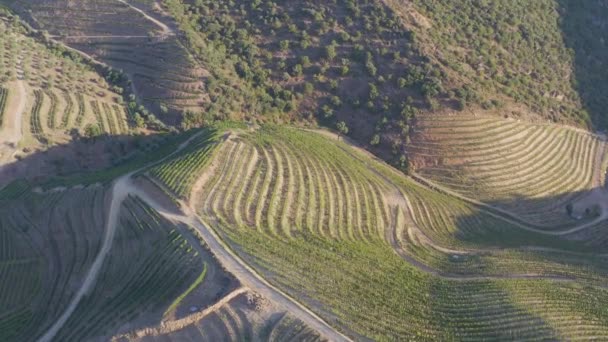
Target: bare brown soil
<point>252,318</point>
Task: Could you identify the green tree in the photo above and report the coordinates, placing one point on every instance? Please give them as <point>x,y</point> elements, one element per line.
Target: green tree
<point>308,88</point>
<point>342,127</point>
<point>139,120</point>
<point>92,131</point>
<point>330,52</point>
<point>297,70</point>
<point>373,91</point>
<point>375,140</point>
<point>284,44</point>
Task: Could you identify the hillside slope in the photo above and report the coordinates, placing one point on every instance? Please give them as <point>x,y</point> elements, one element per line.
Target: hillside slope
<point>363,67</point>
<point>534,170</point>
<point>481,212</point>
<point>543,58</point>
<point>162,73</point>
<point>325,222</point>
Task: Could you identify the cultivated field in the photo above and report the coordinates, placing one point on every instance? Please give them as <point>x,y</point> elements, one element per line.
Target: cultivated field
<point>117,34</point>
<point>149,265</point>
<point>61,94</point>
<point>531,170</point>
<point>496,229</point>
<point>279,194</point>
<point>3,98</point>
<point>182,171</point>
<point>49,242</point>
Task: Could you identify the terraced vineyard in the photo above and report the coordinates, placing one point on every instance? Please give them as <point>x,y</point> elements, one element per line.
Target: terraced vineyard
<point>35,122</point>
<point>54,82</point>
<point>531,170</point>
<point>177,85</point>
<point>14,190</point>
<point>595,236</point>
<point>50,117</point>
<point>3,99</point>
<point>98,117</point>
<point>149,264</point>
<point>92,17</point>
<point>81,110</point>
<point>180,173</point>
<point>21,275</point>
<point>274,197</point>
<point>49,244</point>
<point>108,117</point>
<point>260,232</point>
<point>67,113</point>
<point>297,194</point>
<point>161,68</point>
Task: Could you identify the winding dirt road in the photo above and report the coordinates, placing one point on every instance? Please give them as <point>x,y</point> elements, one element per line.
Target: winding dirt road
<point>123,187</point>
<point>167,31</point>
<point>240,269</point>
<point>401,200</point>
<point>179,324</point>
<point>504,215</point>
<point>120,190</point>
<point>119,194</point>
<point>510,217</point>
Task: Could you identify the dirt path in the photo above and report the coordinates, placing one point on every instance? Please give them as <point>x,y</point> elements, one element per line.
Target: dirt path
<point>12,132</point>
<point>123,187</point>
<point>399,199</point>
<point>119,194</point>
<point>167,31</point>
<point>243,272</point>
<point>391,235</point>
<point>248,277</point>
<point>210,170</point>
<point>509,216</point>
<point>99,37</point>
<point>505,215</point>
<point>179,324</point>
<point>120,190</point>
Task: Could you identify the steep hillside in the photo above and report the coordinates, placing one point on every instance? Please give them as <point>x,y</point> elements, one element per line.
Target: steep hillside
<point>97,262</point>
<point>325,222</point>
<point>528,58</point>
<point>59,92</point>
<point>365,68</point>
<point>51,98</point>
<point>348,65</point>
<point>534,170</point>
<point>463,198</point>
<point>164,77</point>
